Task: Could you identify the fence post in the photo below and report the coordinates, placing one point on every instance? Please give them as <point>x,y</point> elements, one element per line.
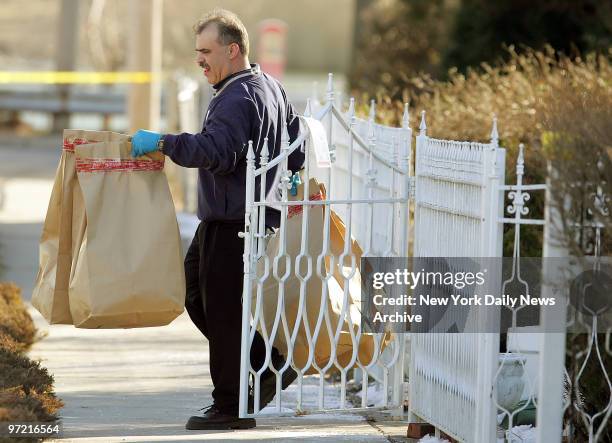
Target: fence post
<point>250,223</point>
<point>408,232</point>
<point>492,241</point>
<point>496,179</point>
<point>406,165</point>
<point>421,142</point>
<point>403,161</point>
<point>552,359</point>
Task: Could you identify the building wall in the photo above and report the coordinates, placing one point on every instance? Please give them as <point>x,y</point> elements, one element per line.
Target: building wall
<point>320,32</point>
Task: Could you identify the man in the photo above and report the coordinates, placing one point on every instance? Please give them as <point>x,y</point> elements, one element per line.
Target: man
<point>247,105</point>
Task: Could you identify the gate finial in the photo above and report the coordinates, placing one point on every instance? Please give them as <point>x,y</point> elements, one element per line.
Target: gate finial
<point>406,117</point>
<point>263,159</point>
<point>330,87</point>
<point>494,133</point>
<point>372,110</point>
<point>285,141</point>
<point>250,153</point>
<point>520,161</point>
<point>351,110</point>
<point>423,125</point>
<point>308,109</point>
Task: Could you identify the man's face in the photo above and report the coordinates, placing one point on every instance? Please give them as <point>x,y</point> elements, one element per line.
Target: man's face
<point>212,57</point>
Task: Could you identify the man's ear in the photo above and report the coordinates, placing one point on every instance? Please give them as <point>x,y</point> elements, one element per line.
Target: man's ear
<point>234,50</point>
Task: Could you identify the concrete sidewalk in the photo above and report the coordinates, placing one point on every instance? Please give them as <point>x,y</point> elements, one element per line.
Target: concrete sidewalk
<point>136,385</point>
<point>27,171</point>
<point>141,385</point>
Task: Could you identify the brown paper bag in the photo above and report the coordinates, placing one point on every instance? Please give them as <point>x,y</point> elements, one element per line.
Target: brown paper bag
<point>127,266</point>
<point>50,295</point>
<point>270,292</point>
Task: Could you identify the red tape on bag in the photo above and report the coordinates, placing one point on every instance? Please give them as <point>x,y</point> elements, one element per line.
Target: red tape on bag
<point>294,210</point>
<point>70,144</point>
<point>114,165</point>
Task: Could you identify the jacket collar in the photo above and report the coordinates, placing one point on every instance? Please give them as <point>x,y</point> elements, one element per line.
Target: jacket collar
<point>253,70</point>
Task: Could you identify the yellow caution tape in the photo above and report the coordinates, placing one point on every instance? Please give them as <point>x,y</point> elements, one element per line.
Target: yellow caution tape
<point>66,77</point>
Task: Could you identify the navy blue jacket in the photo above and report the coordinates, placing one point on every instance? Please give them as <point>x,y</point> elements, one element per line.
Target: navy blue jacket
<point>245,107</point>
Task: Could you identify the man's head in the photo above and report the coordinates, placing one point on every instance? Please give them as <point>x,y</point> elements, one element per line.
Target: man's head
<point>222,45</point>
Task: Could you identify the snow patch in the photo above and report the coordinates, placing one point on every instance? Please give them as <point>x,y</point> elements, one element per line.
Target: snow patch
<point>375,394</point>
<point>521,434</point>
<point>332,417</point>
<point>430,439</point>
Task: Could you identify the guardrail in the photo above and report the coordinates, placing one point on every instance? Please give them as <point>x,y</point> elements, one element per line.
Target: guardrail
<point>110,102</point>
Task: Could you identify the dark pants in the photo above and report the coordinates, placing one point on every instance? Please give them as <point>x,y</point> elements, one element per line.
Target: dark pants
<point>214,275</point>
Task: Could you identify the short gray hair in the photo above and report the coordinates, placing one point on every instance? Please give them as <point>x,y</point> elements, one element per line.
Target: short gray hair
<point>230,27</point>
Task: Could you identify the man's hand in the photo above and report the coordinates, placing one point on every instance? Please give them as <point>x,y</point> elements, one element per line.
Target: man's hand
<point>144,141</point>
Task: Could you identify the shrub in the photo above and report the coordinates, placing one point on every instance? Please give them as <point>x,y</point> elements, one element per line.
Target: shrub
<point>16,405</point>
<point>17,329</point>
<point>17,370</point>
<point>26,388</point>
<point>399,38</point>
<point>535,93</point>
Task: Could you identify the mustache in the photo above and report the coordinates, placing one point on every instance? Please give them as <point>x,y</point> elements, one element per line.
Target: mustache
<point>203,65</point>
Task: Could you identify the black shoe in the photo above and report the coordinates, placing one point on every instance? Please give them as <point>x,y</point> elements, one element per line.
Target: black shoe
<point>214,419</point>
<point>267,387</point>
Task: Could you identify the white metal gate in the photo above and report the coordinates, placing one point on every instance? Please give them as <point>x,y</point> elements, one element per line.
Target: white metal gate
<point>457,205</point>
<point>363,187</point>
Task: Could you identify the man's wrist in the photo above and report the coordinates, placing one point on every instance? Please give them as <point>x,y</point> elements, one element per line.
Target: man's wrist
<point>160,144</point>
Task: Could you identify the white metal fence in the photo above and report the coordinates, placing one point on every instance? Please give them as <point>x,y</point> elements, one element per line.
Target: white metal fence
<point>457,204</point>
<point>458,193</point>
<point>523,344</point>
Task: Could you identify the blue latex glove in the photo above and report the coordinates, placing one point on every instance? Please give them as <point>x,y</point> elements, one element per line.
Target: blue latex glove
<point>144,141</point>
<point>295,182</point>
